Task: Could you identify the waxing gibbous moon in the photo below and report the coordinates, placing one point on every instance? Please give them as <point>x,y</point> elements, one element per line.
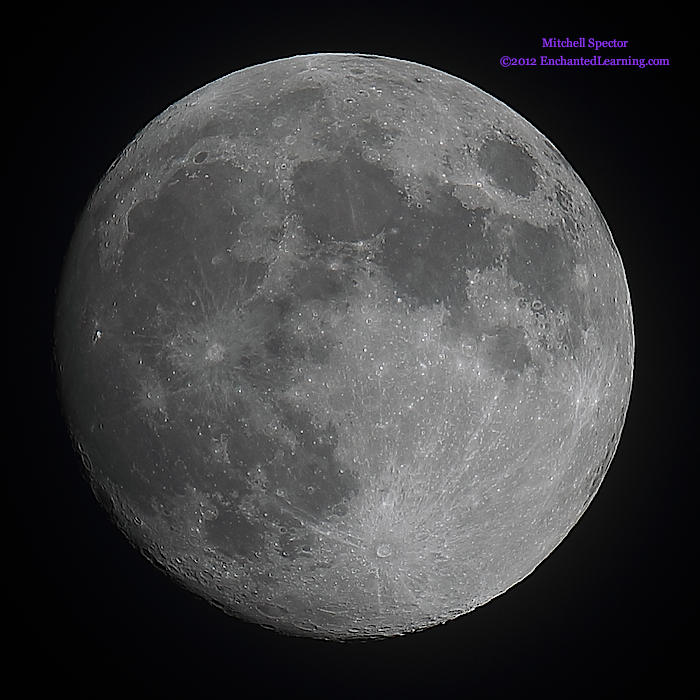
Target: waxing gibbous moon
<point>345,345</point>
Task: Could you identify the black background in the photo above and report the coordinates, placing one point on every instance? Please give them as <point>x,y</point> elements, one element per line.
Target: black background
<point>607,610</point>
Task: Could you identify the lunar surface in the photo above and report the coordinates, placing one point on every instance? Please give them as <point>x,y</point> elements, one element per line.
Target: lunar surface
<point>345,345</point>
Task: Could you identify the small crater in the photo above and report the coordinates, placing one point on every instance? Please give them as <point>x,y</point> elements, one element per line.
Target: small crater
<point>272,611</point>
<point>215,352</point>
<point>384,550</point>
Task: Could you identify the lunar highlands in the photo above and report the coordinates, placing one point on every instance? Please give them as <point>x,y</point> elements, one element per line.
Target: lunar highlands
<point>345,345</point>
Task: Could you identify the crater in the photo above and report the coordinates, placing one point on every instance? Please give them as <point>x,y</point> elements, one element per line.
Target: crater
<point>384,550</point>
<point>348,199</point>
<point>509,166</point>
<point>215,352</point>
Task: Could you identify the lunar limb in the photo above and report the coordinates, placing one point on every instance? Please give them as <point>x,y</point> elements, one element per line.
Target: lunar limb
<point>345,345</point>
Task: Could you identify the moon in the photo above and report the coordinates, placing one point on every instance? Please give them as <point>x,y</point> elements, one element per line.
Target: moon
<point>345,345</point>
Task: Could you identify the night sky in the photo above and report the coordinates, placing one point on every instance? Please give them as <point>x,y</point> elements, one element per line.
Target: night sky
<point>606,611</point>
